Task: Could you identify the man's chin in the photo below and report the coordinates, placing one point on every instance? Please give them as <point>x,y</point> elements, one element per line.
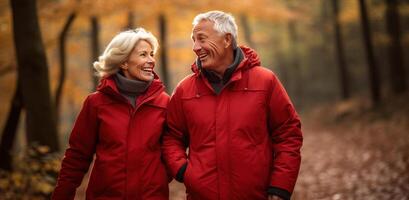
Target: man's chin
<point>206,66</point>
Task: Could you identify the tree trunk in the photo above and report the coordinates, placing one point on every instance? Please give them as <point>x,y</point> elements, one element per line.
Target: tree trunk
<point>10,131</point>
<point>295,65</point>
<point>397,68</point>
<point>342,65</point>
<point>164,51</point>
<point>33,75</point>
<point>372,66</point>
<point>247,30</point>
<point>324,20</point>
<point>282,68</point>
<point>6,70</point>
<point>131,19</point>
<point>61,80</point>
<point>94,49</point>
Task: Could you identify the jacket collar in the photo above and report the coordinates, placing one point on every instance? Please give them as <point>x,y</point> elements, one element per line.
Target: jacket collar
<point>251,59</point>
<point>212,77</point>
<point>130,87</point>
<point>108,86</point>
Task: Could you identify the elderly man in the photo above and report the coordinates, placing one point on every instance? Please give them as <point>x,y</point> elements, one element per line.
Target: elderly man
<point>243,133</point>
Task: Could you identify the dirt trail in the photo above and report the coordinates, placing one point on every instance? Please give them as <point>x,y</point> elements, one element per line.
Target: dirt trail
<point>357,162</point>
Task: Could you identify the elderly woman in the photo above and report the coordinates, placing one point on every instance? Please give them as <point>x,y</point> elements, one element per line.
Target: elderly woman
<point>121,123</point>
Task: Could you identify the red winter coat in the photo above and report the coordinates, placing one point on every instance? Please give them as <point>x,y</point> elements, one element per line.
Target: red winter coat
<point>126,141</point>
<point>240,142</point>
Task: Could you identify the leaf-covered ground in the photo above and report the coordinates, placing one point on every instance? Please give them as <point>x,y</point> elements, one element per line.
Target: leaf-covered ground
<point>357,162</point>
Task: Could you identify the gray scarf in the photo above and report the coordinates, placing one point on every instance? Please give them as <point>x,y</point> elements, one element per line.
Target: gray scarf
<point>129,88</point>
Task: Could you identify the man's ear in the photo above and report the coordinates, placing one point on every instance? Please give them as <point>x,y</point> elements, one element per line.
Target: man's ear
<point>228,40</point>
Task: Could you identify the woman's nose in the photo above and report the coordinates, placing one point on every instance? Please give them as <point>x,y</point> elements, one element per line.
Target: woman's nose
<point>151,59</point>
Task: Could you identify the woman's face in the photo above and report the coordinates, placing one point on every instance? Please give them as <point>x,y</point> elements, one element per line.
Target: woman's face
<point>140,63</point>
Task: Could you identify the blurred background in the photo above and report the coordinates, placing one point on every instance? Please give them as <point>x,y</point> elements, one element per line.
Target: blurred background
<point>344,63</point>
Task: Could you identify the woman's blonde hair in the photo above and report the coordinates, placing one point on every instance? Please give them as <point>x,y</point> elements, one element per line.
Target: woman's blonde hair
<point>119,49</point>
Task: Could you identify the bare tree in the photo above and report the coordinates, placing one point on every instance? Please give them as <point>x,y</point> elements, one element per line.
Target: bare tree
<point>10,130</point>
<point>164,51</point>
<point>247,30</point>
<point>295,81</point>
<point>397,68</point>
<point>340,54</point>
<point>8,69</point>
<point>62,51</point>
<point>372,66</point>
<point>94,48</point>
<point>131,19</point>
<point>33,75</point>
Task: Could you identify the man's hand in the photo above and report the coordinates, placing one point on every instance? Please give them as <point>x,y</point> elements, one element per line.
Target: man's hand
<point>274,197</point>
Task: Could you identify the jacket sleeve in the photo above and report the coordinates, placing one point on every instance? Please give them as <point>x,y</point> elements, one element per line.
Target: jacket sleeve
<point>175,140</point>
<point>79,155</point>
<point>285,127</point>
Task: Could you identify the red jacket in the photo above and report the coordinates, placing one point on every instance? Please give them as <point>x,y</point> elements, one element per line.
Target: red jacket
<point>241,142</point>
<point>126,141</point>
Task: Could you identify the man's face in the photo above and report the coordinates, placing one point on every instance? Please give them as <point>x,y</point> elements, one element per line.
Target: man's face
<point>210,46</point>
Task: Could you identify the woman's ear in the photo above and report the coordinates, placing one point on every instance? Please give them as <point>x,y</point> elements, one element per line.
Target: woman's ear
<point>124,66</point>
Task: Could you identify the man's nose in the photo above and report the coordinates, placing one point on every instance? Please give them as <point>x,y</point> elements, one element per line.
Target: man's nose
<point>196,46</point>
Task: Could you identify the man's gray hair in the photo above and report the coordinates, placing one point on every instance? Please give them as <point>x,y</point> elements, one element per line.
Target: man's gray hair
<point>223,22</point>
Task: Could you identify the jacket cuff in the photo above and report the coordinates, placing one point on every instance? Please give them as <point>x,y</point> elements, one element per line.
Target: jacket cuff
<point>58,195</point>
<point>181,173</point>
<point>284,194</point>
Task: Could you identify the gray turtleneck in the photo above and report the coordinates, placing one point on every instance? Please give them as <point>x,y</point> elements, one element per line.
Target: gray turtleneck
<point>129,88</point>
<point>217,82</point>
